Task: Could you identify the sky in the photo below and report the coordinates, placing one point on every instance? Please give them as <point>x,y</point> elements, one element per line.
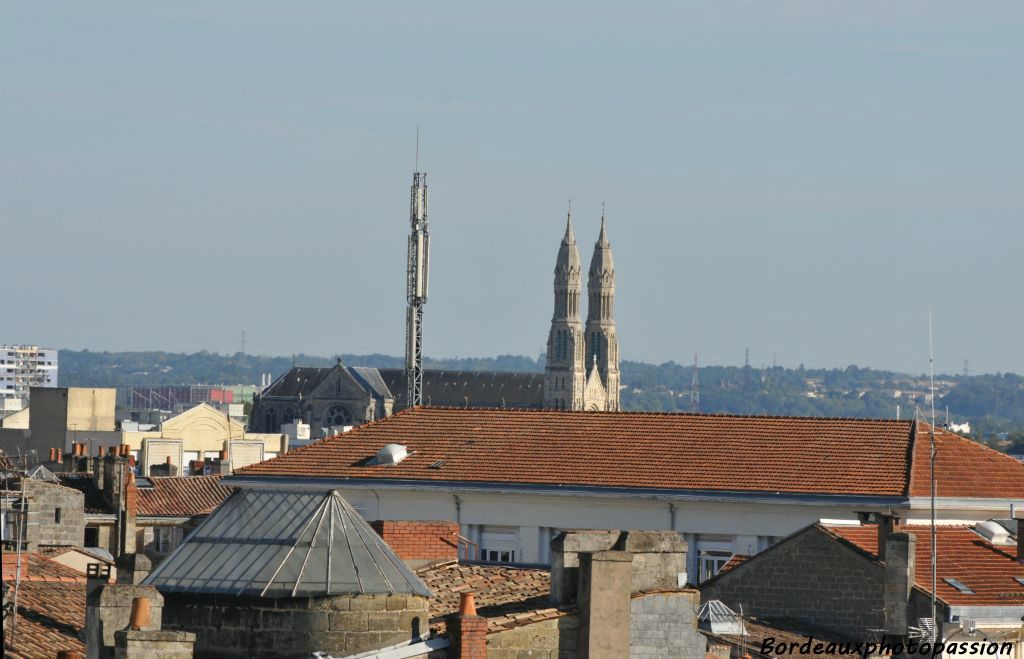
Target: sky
<point>803,179</point>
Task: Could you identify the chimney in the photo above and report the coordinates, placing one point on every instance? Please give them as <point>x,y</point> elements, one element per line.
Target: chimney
<point>468,631</point>
<point>886,527</point>
<point>900,568</point>
<point>97,468</point>
<point>606,583</point>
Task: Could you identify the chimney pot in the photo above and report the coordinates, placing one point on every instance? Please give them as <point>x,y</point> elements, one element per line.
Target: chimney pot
<point>467,604</point>
<point>140,614</point>
<point>224,454</point>
<point>111,450</point>
<point>169,460</point>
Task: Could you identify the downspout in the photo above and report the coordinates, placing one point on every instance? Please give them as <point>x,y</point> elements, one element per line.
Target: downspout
<point>458,509</point>
<point>672,516</point>
<point>374,492</point>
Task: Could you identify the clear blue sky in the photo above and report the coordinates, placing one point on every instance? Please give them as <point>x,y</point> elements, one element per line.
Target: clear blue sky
<point>803,178</point>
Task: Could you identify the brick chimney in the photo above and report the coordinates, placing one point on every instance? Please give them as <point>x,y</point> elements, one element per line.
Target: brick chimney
<point>900,568</point>
<point>467,631</point>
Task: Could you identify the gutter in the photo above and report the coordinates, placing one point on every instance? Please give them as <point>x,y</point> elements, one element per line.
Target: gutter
<point>301,483</point>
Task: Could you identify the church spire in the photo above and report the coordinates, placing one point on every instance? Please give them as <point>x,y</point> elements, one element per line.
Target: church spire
<point>564,371</point>
<point>601,336</point>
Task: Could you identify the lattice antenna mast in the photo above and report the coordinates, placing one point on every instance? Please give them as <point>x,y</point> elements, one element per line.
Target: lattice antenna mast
<point>416,282</point>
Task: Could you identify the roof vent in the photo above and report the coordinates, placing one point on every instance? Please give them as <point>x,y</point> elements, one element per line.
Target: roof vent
<point>392,454</point>
<point>993,532</point>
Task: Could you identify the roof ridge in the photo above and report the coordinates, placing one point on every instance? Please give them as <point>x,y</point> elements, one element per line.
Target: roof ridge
<point>520,410</point>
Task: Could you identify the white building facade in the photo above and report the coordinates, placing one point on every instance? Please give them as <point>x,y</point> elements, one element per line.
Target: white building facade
<point>26,366</point>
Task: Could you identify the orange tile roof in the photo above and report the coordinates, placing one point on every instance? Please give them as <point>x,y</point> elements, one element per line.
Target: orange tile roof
<point>964,468</point>
<point>506,596</point>
<point>735,561</point>
<point>51,607</point>
<point>39,568</point>
<point>988,570</point>
<point>50,617</point>
<point>182,496</point>
<point>623,449</point>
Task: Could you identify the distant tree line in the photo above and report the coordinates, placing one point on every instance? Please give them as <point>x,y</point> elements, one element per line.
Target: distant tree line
<point>993,404</point>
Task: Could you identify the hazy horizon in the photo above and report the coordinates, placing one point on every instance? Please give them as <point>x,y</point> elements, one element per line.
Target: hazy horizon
<point>804,179</point>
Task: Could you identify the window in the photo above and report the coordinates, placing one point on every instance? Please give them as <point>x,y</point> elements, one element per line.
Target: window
<point>56,515</point>
<point>165,539</point>
<point>337,416</point>
<point>498,544</point>
<point>711,562</point>
<point>498,556</point>
<point>713,551</point>
<point>92,536</point>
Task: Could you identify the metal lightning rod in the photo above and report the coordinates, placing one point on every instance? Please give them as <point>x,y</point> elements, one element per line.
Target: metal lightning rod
<point>931,381</point>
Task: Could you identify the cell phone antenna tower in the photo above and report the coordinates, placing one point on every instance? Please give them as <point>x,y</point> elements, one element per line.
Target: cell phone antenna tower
<point>416,282</point>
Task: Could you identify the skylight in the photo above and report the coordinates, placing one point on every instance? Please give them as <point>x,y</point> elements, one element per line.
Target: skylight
<point>959,585</point>
<point>1020,580</point>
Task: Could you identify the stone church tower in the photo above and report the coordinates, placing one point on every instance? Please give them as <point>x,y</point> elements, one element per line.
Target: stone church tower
<point>563,374</point>
<point>601,338</point>
<point>582,370</point>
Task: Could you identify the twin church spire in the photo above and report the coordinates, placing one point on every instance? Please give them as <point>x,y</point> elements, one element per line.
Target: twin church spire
<point>582,370</point>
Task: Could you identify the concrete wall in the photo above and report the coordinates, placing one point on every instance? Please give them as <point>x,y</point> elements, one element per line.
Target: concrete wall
<point>665,625</point>
<point>254,627</point>
<point>810,578</point>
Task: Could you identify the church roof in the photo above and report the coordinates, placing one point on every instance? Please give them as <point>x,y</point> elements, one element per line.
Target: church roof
<point>371,380</point>
<point>282,543</point>
<point>470,388</point>
<point>299,380</point>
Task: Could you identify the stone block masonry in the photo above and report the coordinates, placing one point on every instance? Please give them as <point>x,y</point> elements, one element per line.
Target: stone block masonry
<point>665,625</point>
<point>265,627</point>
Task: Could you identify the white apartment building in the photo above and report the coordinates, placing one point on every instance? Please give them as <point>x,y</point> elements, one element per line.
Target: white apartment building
<point>25,366</point>
<point>513,479</point>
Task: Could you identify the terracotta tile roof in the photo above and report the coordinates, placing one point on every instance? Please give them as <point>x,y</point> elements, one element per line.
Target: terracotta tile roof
<point>84,483</point>
<point>38,568</point>
<point>182,496</point>
<point>508,597</point>
<point>988,570</point>
<point>623,449</point>
<point>735,561</point>
<point>50,617</point>
<point>964,468</point>
<point>51,607</point>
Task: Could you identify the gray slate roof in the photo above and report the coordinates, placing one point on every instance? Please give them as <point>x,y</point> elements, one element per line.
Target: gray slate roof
<point>298,380</point>
<point>285,544</point>
<point>498,389</point>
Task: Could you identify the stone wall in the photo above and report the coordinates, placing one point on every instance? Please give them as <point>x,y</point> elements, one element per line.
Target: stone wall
<point>266,627</point>
<point>811,578</point>
<point>44,529</point>
<point>420,543</point>
<point>665,625</point>
<point>549,639</point>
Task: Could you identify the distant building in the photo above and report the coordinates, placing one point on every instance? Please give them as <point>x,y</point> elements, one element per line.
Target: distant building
<point>23,367</point>
<point>176,397</point>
